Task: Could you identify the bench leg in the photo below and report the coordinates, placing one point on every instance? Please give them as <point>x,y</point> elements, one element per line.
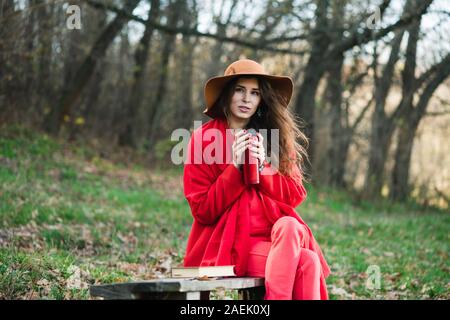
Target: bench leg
<point>204,295</point>
<point>252,293</point>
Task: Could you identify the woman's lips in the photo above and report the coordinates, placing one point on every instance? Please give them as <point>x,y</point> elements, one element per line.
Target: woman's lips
<point>244,109</point>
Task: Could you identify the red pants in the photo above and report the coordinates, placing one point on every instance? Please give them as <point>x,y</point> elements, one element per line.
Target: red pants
<point>291,272</point>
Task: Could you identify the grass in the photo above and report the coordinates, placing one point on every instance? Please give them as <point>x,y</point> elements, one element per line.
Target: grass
<point>70,218</point>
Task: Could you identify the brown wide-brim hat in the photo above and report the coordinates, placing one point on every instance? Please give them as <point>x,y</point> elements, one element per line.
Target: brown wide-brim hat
<point>214,86</point>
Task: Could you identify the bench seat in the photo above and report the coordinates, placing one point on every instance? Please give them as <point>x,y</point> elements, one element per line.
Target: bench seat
<point>249,288</point>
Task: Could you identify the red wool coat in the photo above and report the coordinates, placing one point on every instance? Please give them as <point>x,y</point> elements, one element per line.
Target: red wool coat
<point>219,202</point>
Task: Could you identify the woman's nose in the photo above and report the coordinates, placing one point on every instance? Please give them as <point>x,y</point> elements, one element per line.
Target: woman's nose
<point>244,98</point>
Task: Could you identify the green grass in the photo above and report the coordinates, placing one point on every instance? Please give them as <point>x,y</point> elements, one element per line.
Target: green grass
<point>408,246</point>
<point>70,218</point>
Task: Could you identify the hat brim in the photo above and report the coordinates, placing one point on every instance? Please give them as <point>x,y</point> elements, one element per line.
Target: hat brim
<point>214,86</point>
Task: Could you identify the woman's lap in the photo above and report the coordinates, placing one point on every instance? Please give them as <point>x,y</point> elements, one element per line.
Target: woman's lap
<point>259,250</point>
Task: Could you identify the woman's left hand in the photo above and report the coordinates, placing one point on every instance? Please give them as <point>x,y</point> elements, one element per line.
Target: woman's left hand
<point>257,148</point>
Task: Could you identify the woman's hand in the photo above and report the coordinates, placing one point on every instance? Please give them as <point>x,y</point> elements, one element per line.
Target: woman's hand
<point>257,148</point>
<point>241,142</point>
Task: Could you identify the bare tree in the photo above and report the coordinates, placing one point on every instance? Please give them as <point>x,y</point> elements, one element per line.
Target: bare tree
<point>323,52</point>
<point>72,92</point>
<point>409,120</point>
<point>383,125</point>
<point>174,12</point>
<point>9,18</point>
<point>183,108</point>
<point>128,136</point>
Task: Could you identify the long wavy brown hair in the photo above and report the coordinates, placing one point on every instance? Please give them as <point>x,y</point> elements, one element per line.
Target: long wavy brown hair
<point>275,114</point>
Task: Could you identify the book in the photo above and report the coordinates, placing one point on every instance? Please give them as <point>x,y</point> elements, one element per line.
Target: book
<point>203,271</point>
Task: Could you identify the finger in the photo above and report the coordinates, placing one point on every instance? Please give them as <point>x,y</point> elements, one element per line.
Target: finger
<point>243,143</point>
<point>240,150</point>
<point>242,138</point>
<point>260,137</point>
<point>240,133</point>
<point>260,158</point>
<point>257,156</point>
<point>256,143</point>
<point>260,146</point>
<point>260,151</point>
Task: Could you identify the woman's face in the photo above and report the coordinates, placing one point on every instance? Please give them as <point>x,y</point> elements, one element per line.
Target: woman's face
<point>245,99</point>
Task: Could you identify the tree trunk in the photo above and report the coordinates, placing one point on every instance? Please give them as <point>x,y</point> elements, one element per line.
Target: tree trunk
<point>8,22</point>
<point>382,125</point>
<point>128,136</point>
<point>45,34</point>
<point>155,110</point>
<point>183,112</point>
<point>30,79</point>
<point>400,174</point>
<point>215,64</point>
<point>410,120</point>
<point>305,100</point>
<point>340,141</point>
<point>71,93</point>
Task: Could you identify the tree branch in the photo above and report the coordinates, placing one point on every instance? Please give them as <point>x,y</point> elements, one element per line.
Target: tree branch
<point>361,115</point>
<point>382,8</point>
<point>436,113</point>
<point>193,32</point>
<point>432,70</point>
<point>367,34</point>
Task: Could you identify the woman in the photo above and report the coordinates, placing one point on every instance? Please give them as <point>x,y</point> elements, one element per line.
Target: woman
<point>253,227</point>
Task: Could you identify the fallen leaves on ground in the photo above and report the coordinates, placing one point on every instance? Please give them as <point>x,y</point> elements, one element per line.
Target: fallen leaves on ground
<point>341,293</point>
<point>78,278</point>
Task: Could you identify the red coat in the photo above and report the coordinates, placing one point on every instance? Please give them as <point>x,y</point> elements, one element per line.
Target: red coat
<point>219,202</point>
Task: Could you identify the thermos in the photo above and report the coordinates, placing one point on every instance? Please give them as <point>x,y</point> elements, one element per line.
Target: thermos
<point>250,166</point>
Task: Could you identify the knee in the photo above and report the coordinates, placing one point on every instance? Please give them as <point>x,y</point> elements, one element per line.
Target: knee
<point>309,261</point>
<point>289,227</point>
<point>286,225</point>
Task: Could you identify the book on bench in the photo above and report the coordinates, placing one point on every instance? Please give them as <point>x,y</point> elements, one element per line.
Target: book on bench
<point>203,271</point>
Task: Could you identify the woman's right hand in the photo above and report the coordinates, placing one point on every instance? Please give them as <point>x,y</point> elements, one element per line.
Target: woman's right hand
<point>241,142</point>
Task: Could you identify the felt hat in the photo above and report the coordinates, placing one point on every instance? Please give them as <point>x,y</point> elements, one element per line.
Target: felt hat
<point>214,86</point>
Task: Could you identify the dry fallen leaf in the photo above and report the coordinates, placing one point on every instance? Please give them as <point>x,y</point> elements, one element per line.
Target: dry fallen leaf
<point>166,264</point>
<point>340,292</point>
<point>205,278</point>
<point>403,286</point>
<point>75,281</point>
<point>44,284</point>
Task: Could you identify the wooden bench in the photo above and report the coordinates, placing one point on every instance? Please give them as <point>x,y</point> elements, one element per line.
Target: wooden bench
<point>180,289</point>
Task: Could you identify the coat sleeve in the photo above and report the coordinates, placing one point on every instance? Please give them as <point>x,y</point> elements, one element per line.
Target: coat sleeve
<point>209,195</point>
<point>210,199</point>
<point>282,188</point>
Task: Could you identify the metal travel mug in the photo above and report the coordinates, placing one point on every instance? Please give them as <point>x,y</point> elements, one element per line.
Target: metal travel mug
<point>250,166</point>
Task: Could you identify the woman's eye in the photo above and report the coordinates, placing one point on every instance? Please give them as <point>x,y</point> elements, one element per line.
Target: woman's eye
<point>239,89</point>
<point>255,93</point>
